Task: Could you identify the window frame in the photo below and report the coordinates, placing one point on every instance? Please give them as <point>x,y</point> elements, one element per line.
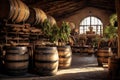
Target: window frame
<point>85,24</point>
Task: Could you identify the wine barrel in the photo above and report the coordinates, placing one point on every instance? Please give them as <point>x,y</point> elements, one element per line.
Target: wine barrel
<point>114,66</point>
<point>14,10</point>
<point>65,56</point>
<point>46,60</point>
<point>72,25</point>
<point>16,60</point>
<point>51,20</point>
<point>37,16</point>
<point>103,54</point>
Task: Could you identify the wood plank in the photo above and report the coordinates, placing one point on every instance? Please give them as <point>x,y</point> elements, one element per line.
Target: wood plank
<point>117,3</point>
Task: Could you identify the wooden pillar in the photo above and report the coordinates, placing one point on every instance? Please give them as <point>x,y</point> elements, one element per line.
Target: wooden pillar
<point>117,3</point>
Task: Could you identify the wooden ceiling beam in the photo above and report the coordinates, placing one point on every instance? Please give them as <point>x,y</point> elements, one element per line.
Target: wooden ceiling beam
<point>66,14</point>
<point>67,8</point>
<point>102,4</point>
<point>104,7</point>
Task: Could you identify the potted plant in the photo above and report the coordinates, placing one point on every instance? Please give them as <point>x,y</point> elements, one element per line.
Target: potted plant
<point>110,31</point>
<point>64,33</point>
<point>110,36</point>
<point>64,50</point>
<point>46,55</point>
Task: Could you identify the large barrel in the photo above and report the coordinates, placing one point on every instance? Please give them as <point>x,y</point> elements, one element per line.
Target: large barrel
<point>114,66</point>
<point>16,60</point>
<point>46,60</point>
<point>65,56</point>
<point>103,54</point>
<point>14,10</point>
<point>51,20</point>
<point>37,16</point>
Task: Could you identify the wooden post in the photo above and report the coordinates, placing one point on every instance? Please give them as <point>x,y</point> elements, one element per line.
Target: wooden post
<point>117,3</point>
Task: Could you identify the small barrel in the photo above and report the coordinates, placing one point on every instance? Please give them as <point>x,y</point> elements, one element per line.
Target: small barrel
<point>16,60</point>
<point>103,54</point>
<point>46,60</point>
<point>37,16</point>
<point>72,25</point>
<point>14,10</point>
<point>65,56</point>
<point>51,20</point>
<point>114,66</point>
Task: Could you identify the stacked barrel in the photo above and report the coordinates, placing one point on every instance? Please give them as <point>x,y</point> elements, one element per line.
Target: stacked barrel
<point>21,33</point>
<point>21,39</point>
<point>14,10</point>
<point>14,38</point>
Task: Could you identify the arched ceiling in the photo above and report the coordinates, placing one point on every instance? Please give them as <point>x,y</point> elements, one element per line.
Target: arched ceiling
<point>65,8</point>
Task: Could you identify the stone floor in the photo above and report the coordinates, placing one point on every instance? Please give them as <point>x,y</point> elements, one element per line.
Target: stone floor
<point>82,68</point>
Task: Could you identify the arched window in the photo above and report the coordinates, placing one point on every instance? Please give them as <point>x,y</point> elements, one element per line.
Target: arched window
<point>93,22</point>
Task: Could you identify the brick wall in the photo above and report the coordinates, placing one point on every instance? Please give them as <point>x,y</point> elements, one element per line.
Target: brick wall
<point>103,15</point>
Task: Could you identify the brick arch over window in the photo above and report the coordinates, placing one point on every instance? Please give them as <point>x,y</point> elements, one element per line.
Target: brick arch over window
<point>91,21</point>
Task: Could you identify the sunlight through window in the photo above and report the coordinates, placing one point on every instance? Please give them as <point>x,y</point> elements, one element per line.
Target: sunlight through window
<point>93,22</point>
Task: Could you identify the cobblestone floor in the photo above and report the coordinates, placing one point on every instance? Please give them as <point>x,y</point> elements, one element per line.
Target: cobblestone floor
<point>82,68</point>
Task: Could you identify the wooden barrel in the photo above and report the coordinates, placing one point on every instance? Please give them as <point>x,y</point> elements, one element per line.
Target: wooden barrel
<point>46,60</point>
<point>16,60</point>
<point>103,54</point>
<point>72,25</point>
<point>51,20</point>
<point>14,10</point>
<point>114,66</point>
<point>37,16</point>
<point>65,56</point>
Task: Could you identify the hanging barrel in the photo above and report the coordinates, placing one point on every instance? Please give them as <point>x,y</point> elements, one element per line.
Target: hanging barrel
<point>51,20</point>
<point>103,54</point>
<point>46,60</point>
<point>16,60</point>
<point>37,16</point>
<point>14,10</point>
<point>65,56</point>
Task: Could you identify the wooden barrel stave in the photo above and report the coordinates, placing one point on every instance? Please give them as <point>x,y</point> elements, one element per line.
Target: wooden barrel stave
<point>22,15</point>
<point>15,11</point>
<point>43,15</point>
<point>12,9</point>
<point>51,20</point>
<point>65,62</point>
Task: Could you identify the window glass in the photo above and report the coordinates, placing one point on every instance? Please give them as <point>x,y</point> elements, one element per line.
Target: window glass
<point>93,22</point>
